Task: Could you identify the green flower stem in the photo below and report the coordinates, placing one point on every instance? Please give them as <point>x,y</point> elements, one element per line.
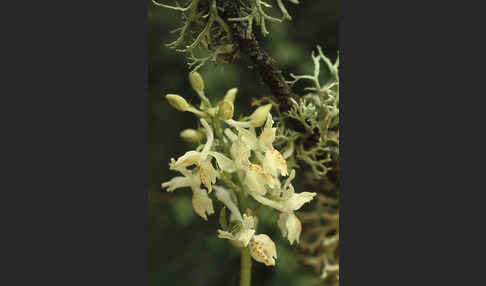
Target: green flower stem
<point>225,177</point>
<point>219,134</point>
<point>204,99</point>
<point>245,279</point>
<point>242,198</point>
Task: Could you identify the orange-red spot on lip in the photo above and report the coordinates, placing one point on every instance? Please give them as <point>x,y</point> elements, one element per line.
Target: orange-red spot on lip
<point>204,181</point>
<point>280,158</point>
<point>259,170</point>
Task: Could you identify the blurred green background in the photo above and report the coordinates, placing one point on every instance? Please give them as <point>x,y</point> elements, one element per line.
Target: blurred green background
<point>183,248</point>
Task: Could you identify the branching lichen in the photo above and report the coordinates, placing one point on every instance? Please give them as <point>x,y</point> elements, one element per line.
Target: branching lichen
<point>316,117</point>
<point>253,12</point>
<point>319,246</point>
<point>203,28</point>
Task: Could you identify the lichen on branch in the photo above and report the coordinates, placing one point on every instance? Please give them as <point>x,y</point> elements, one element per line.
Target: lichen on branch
<point>224,29</point>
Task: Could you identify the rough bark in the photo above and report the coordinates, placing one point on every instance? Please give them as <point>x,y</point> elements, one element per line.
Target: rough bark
<point>266,66</point>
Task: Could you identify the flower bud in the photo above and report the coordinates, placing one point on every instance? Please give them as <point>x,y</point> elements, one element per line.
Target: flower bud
<point>226,110</point>
<point>177,101</point>
<point>196,81</point>
<point>191,135</point>
<point>231,94</point>
<point>259,116</point>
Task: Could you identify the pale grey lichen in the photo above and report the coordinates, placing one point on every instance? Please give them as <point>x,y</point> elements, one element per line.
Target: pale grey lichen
<point>205,31</point>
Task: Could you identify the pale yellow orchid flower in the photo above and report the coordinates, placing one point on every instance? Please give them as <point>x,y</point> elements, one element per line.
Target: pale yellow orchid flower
<point>207,172</point>
<point>201,202</point>
<point>290,201</point>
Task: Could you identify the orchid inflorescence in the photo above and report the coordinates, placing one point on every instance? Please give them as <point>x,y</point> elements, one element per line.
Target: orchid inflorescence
<point>246,165</point>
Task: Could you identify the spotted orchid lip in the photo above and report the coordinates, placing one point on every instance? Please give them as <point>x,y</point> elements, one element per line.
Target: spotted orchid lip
<point>262,249</point>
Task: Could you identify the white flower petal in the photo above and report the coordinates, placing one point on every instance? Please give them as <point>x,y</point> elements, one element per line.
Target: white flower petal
<point>269,164</point>
<point>268,202</point>
<point>236,124</point>
<point>201,203</point>
<point>244,236</point>
<point>189,158</point>
<point>296,201</point>
<point>232,136</point>
<point>263,249</point>
<point>177,182</point>
<point>248,222</point>
<point>225,235</point>
<point>257,178</point>
<point>248,137</point>
<point>290,226</point>
<point>209,136</point>
<point>251,139</point>
<point>256,186</point>
<point>224,196</point>
<point>241,154</point>
<point>274,162</point>
<point>208,174</point>
<point>224,163</point>
<point>247,230</point>
<point>293,203</point>
<point>282,223</point>
<point>267,136</point>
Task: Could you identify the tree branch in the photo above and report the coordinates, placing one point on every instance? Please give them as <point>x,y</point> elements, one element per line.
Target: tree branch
<point>266,66</point>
